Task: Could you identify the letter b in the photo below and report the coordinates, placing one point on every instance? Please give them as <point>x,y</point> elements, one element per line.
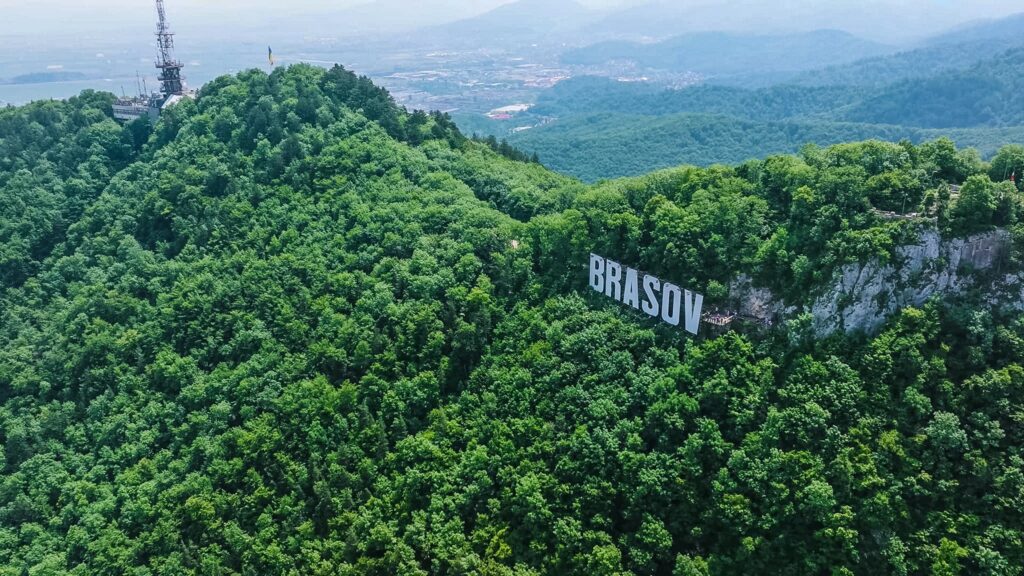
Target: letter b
<point>597,273</point>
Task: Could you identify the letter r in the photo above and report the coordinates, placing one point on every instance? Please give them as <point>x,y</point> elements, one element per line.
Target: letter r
<point>613,283</point>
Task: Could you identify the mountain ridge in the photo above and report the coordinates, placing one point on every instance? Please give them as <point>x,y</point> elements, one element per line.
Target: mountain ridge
<point>517,21</point>
<point>724,53</point>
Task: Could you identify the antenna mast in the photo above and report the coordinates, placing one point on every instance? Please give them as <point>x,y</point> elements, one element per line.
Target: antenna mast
<point>171,80</point>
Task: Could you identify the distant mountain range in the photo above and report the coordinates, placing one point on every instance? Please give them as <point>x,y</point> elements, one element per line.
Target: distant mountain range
<point>424,13</point>
<point>568,21</point>
<point>882,20</point>
<point>967,83</point>
<point>42,77</point>
<point>728,53</point>
<point>525,17</point>
<point>958,49</point>
<point>489,22</point>
<point>524,20</point>
<point>988,93</point>
<point>1008,29</point>
<point>375,18</point>
<point>815,58</point>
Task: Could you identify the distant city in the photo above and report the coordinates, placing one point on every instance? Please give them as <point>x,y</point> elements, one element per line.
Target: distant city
<point>487,81</point>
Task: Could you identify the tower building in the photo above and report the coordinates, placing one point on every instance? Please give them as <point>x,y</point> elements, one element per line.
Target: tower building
<point>172,82</point>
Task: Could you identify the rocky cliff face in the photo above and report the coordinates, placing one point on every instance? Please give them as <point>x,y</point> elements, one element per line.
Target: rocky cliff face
<point>864,296</point>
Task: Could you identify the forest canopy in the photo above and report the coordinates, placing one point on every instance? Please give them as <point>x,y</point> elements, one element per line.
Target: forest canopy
<point>595,128</point>
<point>295,329</point>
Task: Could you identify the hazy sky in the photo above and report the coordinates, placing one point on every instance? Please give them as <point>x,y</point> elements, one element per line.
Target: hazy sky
<point>90,18</point>
<point>30,17</point>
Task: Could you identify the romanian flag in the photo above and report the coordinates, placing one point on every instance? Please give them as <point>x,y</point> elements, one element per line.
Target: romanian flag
<point>270,55</point>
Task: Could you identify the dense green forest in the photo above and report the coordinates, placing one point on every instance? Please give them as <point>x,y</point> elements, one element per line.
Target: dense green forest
<point>989,94</point>
<point>595,95</point>
<point>295,329</point>
<point>609,145</point>
<point>920,63</point>
<point>606,129</point>
<point>968,86</point>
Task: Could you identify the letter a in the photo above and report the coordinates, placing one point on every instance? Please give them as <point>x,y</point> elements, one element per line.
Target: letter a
<point>631,293</point>
<point>613,282</point>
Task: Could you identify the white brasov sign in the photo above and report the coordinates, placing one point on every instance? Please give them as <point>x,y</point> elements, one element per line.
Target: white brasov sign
<point>659,299</point>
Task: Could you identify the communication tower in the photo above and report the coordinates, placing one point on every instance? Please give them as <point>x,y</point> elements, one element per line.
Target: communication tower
<point>171,81</point>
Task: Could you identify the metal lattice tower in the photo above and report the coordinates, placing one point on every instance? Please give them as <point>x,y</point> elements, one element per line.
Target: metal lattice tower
<point>171,81</point>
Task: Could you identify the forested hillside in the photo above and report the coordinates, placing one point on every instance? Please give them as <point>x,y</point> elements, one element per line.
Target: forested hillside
<point>923,62</point>
<point>595,95</point>
<point>595,128</point>
<point>990,93</point>
<point>295,329</point>
<point>609,145</point>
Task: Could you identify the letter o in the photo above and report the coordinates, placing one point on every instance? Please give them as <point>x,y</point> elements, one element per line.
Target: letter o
<point>671,304</point>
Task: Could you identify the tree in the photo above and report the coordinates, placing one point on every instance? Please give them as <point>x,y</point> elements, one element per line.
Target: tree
<point>1008,162</point>
<point>974,210</point>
